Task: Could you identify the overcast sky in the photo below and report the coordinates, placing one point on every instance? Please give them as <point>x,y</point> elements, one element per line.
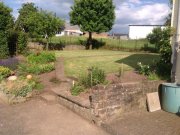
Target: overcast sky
<point>149,12</point>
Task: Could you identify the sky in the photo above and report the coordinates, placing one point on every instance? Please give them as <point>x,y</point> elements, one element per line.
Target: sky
<point>128,12</point>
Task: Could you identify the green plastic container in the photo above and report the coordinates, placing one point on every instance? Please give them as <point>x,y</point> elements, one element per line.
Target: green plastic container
<point>170,97</point>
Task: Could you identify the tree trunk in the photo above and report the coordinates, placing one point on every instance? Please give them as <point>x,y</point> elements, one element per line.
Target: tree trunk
<point>89,42</point>
<point>47,44</point>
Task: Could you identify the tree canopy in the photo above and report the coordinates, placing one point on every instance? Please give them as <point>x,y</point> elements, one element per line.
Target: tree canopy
<point>46,24</point>
<point>6,19</point>
<point>93,16</point>
<point>6,23</point>
<point>37,22</point>
<point>26,11</point>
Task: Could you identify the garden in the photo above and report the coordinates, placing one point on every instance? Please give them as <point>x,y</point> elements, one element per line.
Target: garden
<point>108,62</point>
<point>22,82</point>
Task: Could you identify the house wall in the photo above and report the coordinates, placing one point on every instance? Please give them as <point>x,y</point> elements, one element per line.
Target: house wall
<point>140,32</point>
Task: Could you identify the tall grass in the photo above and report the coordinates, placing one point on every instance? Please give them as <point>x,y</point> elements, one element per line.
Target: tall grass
<point>105,43</point>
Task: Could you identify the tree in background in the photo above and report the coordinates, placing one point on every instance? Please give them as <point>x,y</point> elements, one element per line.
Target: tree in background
<point>168,18</point>
<point>45,24</point>
<point>38,23</point>
<point>22,23</point>
<point>93,16</point>
<point>6,23</point>
<point>161,38</point>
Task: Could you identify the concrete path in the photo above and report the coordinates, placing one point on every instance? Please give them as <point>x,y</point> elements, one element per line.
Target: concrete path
<point>145,123</point>
<point>38,117</point>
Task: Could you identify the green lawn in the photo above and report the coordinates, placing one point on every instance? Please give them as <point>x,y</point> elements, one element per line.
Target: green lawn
<point>77,62</point>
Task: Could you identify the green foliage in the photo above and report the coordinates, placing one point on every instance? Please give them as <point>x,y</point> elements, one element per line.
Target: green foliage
<point>38,23</point>
<point>57,43</point>
<point>48,25</point>
<point>38,63</point>
<point>77,89</point>
<point>4,72</point>
<point>153,76</point>
<point>6,19</point>
<point>35,68</point>
<point>22,43</point>
<point>20,87</point>
<point>23,91</point>
<point>95,76</point>
<point>6,23</point>
<point>42,58</point>
<point>4,52</point>
<point>156,38</point>
<point>23,21</point>
<point>93,16</point>
<point>161,37</point>
<point>143,69</point>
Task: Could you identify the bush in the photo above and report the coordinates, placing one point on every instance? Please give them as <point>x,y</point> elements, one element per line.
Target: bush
<point>22,42</point>
<point>161,38</point>
<point>42,58</point>
<point>36,68</point>
<point>4,72</point>
<point>77,89</point>
<point>143,69</point>
<point>4,52</point>
<point>18,88</point>
<point>94,77</point>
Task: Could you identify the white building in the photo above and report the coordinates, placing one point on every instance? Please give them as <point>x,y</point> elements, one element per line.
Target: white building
<point>141,31</point>
<point>70,30</point>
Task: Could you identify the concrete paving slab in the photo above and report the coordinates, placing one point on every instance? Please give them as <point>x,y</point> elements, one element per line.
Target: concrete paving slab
<point>145,123</point>
<point>36,117</point>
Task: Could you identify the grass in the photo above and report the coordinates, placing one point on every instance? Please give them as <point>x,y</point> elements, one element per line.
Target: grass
<point>77,62</point>
<point>107,43</point>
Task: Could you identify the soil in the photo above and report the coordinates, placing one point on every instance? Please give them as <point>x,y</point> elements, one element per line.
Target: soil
<point>126,77</point>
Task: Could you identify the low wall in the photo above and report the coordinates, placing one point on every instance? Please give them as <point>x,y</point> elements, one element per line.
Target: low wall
<point>119,98</point>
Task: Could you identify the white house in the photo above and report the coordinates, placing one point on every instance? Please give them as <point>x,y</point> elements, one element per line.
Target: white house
<point>70,30</point>
<point>141,31</point>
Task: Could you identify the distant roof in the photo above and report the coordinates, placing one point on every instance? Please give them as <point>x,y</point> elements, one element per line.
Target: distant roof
<point>145,25</point>
<point>118,34</point>
<point>71,27</point>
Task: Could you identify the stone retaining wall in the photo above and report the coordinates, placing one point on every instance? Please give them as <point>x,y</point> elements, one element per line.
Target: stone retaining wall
<point>119,98</point>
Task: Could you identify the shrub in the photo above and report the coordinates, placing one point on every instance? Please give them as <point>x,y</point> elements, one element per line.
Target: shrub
<point>42,58</point>
<point>18,88</point>
<point>77,89</point>
<point>22,42</point>
<point>4,72</point>
<point>4,52</point>
<point>36,68</point>
<point>161,38</point>
<point>143,69</point>
<point>94,77</point>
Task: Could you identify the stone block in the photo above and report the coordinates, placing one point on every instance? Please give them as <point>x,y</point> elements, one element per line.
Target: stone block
<point>153,102</point>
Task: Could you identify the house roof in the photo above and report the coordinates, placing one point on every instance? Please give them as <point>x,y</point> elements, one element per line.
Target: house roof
<point>71,27</point>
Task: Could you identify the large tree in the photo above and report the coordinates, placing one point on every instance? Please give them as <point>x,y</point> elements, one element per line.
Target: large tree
<point>46,24</point>
<point>37,22</point>
<point>22,22</point>
<point>6,23</point>
<point>93,16</point>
